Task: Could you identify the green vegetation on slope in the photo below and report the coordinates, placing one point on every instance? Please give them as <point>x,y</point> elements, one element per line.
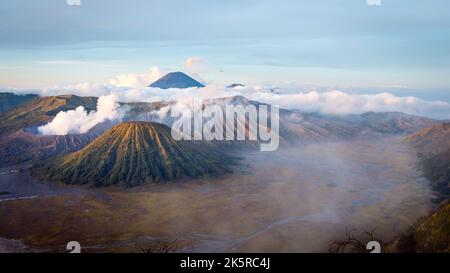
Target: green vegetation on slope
<point>432,233</point>
<point>429,235</point>
<point>436,169</point>
<point>133,153</point>
<point>433,146</point>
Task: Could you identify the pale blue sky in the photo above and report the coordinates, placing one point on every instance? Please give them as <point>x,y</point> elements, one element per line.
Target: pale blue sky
<point>324,42</point>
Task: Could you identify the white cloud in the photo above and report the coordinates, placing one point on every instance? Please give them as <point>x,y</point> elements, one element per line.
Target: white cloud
<point>338,102</point>
<point>73,2</point>
<point>288,96</point>
<point>195,65</point>
<point>329,102</point>
<point>136,80</point>
<point>79,121</point>
<point>374,2</point>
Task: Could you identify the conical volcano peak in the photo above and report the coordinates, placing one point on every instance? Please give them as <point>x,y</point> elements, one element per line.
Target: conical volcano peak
<point>176,80</point>
<point>133,153</point>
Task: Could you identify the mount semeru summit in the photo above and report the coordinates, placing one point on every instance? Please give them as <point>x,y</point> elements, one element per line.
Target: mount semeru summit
<point>176,80</point>
<point>133,153</point>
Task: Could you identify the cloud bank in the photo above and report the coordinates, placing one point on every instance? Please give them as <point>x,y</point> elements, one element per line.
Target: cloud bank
<point>133,88</point>
<point>338,102</point>
<point>328,102</point>
<point>79,121</point>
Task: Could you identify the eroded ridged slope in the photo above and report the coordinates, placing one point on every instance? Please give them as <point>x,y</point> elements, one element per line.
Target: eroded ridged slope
<point>133,153</point>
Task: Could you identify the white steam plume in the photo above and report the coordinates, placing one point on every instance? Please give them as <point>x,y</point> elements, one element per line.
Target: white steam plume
<point>79,121</point>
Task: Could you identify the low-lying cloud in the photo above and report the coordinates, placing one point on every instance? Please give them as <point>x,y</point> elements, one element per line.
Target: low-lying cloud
<point>294,97</point>
<point>329,102</point>
<point>79,121</point>
<point>341,103</point>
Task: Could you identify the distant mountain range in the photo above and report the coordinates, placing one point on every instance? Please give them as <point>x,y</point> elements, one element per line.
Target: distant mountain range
<point>133,153</point>
<point>233,85</point>
<point>300,127</point>
<point>176,80</point>
<point>431,140</point>
<point>393,122</point>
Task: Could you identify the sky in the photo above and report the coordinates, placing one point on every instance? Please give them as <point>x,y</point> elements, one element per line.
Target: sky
<point>362,46</point>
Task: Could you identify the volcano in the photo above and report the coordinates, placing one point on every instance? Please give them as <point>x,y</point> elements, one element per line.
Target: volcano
<point>133,153</point>
<point>176,80</point>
